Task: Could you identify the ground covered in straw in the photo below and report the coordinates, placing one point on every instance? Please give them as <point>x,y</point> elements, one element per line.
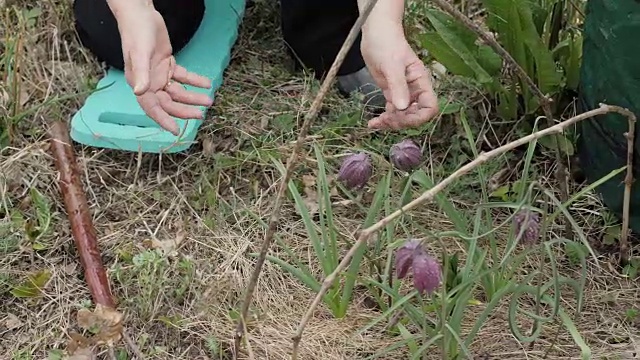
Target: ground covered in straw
<point>179,233</point>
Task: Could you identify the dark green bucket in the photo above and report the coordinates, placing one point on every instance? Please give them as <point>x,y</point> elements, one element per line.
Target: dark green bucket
<point>610,74</point>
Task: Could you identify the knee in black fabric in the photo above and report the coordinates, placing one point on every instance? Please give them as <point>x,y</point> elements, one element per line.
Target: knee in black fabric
<point>314,31</point>
<point>98,30</point>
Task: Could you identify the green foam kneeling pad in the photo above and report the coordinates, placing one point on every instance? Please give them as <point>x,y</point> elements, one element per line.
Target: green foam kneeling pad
<point>111,116</point>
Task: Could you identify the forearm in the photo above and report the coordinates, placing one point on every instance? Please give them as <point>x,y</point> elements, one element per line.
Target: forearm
<point>384,13</point>
<point>118,7</point>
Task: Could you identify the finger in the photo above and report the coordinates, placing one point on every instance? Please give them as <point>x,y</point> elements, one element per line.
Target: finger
<point>151,106</point>
<point>417,118</point>
<point>186,77</point>
<point>181,95</point>
<point>413,117</point>
<point>139,63</point>
<point>178,110</point>
<point>419,80</point>
<point>384,122</point>
<point>389,105</point>
<point>397,84</point>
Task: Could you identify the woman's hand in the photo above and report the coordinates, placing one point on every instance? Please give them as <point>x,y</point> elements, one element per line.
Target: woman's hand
<point>401,75</point>
<point>151,69</point>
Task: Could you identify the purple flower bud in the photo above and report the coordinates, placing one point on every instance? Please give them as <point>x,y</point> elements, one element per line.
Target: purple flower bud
<point>406,155</point>
<point>530,222</point>
<point>426,271</point>
<point>355,171</point>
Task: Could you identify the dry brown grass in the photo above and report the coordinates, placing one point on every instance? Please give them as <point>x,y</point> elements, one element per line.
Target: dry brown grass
<point>183,305</point>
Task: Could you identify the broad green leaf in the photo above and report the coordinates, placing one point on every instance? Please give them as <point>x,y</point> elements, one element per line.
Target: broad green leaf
<point>460,48</point>
<point>507,104</point>
<point>33,286</point>
<point>447,106</point>
<point>563,144</point>
<point>572,66</point>
<point>443,53</point>
<point>489,60</point>
<point>547,75</point>
<point>466,36</point>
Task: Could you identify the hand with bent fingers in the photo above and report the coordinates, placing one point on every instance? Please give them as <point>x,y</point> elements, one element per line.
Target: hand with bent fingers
<point>151,70</point>
<point>402,76</point>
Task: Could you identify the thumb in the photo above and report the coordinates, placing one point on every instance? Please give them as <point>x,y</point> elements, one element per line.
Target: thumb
<point>397,83</point>
<point>140,64</point>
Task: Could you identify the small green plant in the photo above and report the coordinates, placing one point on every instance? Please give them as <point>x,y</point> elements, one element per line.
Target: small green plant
<point>542,36</point>
<point>324,234</point>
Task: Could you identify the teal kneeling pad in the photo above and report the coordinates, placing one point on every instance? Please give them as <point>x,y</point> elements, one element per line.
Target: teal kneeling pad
<point>111,116</point>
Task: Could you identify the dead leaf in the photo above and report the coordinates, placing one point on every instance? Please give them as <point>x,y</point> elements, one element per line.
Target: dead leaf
<point>169,246</point>
<point>77,342</point>
<point>11,322</point>
<point>70,268</point>
<point>4,96</point>
<point>105,323</point>
<point>498,179</point>
<point>24,97</point>
<point>310,196</point>
<point>82,354</point>
<point>208,149</point>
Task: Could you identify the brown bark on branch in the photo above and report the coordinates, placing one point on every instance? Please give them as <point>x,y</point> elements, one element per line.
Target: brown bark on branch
<point>75,201</point>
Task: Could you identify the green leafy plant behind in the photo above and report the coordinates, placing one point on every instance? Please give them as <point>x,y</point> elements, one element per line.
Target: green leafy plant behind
<point>539,34</point>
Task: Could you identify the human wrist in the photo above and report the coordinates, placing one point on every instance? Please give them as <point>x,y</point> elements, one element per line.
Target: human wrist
<point>387,15</point>
<point>120,8</point>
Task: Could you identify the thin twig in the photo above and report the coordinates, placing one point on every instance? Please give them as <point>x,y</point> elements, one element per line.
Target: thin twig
<point>275,215</point>
<point>132,345</point>
<point>628,182</point>
<point>545,101</point>
<point>431,193</point>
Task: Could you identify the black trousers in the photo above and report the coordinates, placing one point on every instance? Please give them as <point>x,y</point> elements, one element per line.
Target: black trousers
<point>313,30</point>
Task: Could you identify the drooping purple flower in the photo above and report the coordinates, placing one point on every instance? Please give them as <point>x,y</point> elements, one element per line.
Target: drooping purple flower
<point>355,170</point>
<point>530,222</point>
<point>405,155</point>
<point>426,271</point>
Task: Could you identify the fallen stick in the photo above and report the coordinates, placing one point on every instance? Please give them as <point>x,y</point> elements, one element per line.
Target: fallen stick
<point>105,317</point>
<point>75,201</point>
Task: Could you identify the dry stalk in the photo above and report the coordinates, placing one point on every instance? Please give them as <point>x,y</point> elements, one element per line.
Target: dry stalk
<point>431,193</point>
<point>293,158</point>
<point>628,182</point>
<point>545,102</point>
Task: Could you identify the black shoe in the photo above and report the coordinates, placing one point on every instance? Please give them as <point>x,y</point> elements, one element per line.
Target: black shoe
<point>362,83</point>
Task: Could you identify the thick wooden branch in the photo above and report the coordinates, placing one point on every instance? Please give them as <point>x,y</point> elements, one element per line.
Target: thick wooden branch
<point>75,201</point>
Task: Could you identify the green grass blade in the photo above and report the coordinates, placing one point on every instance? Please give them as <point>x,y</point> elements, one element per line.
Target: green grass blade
<point>310,226</point>
<point>328,229</point>
<point>304,278</point>
<point>418,355</point>
<point>585,350</point>
<point>457,217</point>
<point>351,275</point>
